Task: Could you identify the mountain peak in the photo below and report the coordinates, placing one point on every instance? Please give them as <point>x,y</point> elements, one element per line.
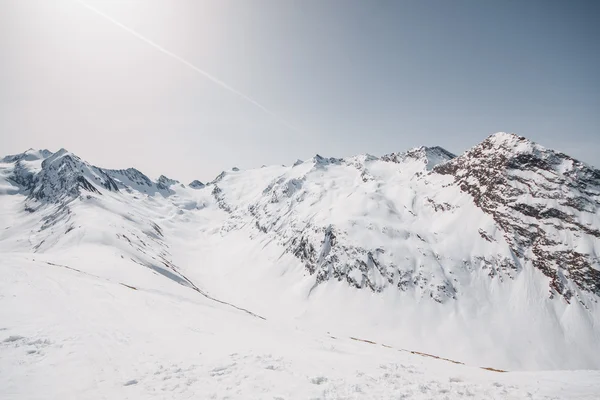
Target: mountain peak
<point>538,197</point>
<point>38,153</point>
<point>320,160</point>
<point>196,184</point>
<point>59,154</point>
<point>164,183</point>
<point>30,154</point>
<point>431,153</point>
<point>430,156</point>
<point>509,142</point>
<point>63,175</point>
<point>505,137</point>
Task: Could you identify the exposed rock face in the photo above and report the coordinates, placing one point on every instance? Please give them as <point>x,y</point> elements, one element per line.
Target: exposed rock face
<point>130,177</point>
<point>430,156</point>
<point>196,184</point>
<point>353,250</point>
<point>29,155</point>
<point>164,183</point>
<point>64,175</point>
<point>545,202</point>
<point>22,176</point>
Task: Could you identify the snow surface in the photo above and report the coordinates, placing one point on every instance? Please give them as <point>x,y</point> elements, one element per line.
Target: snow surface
<point>176,292</point>
<point>72,334</point>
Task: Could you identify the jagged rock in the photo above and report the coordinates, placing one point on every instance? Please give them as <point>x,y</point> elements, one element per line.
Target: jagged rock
<point>164,183</point>
<point>131,178</point>
<point>196,184</point>
<point>64,175</point>
<point>430,156</point>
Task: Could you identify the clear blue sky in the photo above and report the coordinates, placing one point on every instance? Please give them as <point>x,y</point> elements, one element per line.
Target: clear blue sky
<point>353,76</point>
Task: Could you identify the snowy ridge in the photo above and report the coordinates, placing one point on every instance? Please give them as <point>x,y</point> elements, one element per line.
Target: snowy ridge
<point>29,155</point>
<point>131,178</point>
<point>446,255</point>
<point>430,156</point>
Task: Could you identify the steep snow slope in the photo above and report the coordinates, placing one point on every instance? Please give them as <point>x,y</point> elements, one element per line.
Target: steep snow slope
<point>391,228</point>
<point>399,249</point>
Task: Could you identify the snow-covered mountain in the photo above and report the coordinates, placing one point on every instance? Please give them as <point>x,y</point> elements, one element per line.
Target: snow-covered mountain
<point>490,257</point>
<point>545,204</point>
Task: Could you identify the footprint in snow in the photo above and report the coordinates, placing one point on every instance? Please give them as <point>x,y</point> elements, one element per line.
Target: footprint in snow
<point>131,382</point>
<point>318,380</point>
<point>13,338</point>
<point>223,370</point>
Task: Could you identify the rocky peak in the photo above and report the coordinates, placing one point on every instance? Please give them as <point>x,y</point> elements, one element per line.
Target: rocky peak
<point>129,177</point>
<point>218,177</point>
<point>504,139</point>
<point>64,175</point>
<point>545,202</point>
<point>60,154</point>
<point>28,155</point>
<point>429,156</point>
<point>196,184</point>
<point>164,183</point>
<point>24,168</point>
<point>322,161</point>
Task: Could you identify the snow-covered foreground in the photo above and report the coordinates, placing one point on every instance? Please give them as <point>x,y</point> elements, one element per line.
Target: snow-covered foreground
<point>70,334</point>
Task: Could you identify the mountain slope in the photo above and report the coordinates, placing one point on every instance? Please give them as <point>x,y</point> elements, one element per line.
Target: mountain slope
<point>442,254</point>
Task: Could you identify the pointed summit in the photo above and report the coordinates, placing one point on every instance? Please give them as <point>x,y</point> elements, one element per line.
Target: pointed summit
<point>164,183</point>
<point>196,184</point>
<point>64,175</point>
<point>429,156</point>
<point>28,155</point>
<point>508,141</point>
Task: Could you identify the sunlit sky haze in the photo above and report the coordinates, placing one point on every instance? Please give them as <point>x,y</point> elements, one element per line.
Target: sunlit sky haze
<point>338,78</point>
